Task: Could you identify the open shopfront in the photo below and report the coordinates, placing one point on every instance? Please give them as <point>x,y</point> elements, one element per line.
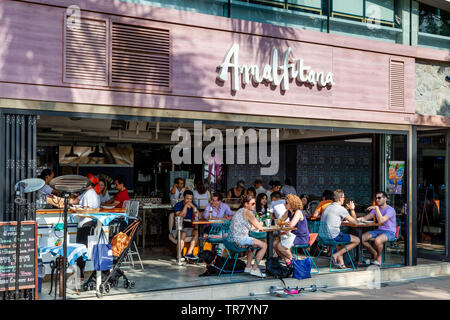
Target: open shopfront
<point>314,158</point>
<point>97,109</point>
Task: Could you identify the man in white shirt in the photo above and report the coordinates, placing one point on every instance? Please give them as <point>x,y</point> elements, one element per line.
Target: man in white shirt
<point>88,199</point>
<point>177,190</point>
<point>333,216</point>
<point>275,202</point>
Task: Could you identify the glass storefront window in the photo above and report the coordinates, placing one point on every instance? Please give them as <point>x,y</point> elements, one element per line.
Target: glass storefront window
<point>395,175</point>
<point>434,20</point>
<point>431,191</point>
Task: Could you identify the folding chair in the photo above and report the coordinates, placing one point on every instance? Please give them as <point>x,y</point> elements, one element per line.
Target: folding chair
<point>217,232</point>
<point>305,248</point>
<point>326,239</point>
<point>132,210</point>
<point>392,242</point>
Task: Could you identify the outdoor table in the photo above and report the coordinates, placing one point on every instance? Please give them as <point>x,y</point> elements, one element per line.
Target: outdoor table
<point>269,231</point>
<point>359,227</point>
<point>74,251</point>
<point>102,219</point>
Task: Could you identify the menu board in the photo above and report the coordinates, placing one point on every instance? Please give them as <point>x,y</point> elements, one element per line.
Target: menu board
<point>27,257</point>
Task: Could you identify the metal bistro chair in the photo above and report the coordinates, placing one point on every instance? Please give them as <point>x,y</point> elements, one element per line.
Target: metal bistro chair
<point>217,232</point>
<point>132,210</point>
<point>232,247</point>
<point>305,248</point>
<point>392,242</point>
<point>311,207</point>
<point>325,239</point>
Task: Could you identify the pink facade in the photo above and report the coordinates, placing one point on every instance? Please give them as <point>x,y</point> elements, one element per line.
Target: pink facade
<point>31,65</point>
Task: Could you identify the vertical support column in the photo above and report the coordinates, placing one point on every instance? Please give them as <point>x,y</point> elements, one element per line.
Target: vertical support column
<point>447,199</point>
<point>7,199</point>
<point>408,12</point>
<point>2,166</point>
<point>33,158</point>
<point>411,221</point>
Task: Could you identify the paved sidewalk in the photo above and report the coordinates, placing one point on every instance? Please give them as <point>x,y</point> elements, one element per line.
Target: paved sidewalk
<point>434,288</point>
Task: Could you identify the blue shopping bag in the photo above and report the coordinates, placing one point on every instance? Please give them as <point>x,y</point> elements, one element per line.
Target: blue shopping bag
<point>102,256</point>
<point>302,268</point>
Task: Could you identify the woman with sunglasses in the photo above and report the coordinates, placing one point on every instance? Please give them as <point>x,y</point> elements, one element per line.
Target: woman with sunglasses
<point>240,226</point>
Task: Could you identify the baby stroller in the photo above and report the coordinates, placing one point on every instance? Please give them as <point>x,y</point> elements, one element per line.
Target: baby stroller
<point>110,278</point>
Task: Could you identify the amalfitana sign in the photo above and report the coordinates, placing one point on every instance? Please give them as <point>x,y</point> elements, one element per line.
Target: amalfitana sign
<point>272,73</point>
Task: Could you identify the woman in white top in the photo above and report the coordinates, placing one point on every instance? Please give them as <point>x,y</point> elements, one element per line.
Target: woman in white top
<point>201,195</point>
<point>104,194</point>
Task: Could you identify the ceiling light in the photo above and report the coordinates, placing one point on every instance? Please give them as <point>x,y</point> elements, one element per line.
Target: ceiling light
<point>71,154</point>
<point>96,153</point>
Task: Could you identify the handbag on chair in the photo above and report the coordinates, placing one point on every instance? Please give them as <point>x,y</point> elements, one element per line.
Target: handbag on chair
<point>121,240</point>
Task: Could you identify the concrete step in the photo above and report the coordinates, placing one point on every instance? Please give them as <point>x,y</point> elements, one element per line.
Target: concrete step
<point>370,277</point>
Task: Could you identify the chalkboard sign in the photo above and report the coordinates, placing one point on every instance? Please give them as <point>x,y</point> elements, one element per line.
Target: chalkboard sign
<point>28,256</point>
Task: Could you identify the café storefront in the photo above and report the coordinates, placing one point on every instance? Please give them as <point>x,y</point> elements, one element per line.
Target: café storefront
<point>133,75</point>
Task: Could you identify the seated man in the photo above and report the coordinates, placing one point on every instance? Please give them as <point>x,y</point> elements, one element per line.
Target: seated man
<point>121,196</point>
<point>333,216</point>
<point>217,208</point>
<point>386,217</point>
<point>278,211</point>
<point>327,199</point>
<point>187,209</point>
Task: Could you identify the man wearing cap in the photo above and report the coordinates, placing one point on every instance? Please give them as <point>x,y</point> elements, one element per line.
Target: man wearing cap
<point>88,199</point>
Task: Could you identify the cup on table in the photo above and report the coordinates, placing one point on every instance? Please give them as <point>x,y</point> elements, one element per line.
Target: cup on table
<point>280,222</point>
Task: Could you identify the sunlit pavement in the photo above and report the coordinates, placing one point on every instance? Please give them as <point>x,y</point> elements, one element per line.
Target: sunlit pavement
<point>435,288</point>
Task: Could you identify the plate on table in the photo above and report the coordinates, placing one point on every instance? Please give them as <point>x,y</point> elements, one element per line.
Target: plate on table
<point>108,207</point>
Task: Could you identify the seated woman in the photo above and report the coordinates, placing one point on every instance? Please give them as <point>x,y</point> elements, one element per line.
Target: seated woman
<point>240,226</point>
<point>201,195</point>
<point>297,220</point>
<point>261,204</point>
<point>238,191</point>
<point>104,194</point>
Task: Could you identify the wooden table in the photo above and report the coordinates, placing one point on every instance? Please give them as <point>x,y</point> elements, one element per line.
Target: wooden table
<point>269,231</point>
<point>359,227</point>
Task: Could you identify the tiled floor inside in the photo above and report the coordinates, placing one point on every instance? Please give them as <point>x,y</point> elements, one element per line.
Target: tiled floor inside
<point>161,272</point>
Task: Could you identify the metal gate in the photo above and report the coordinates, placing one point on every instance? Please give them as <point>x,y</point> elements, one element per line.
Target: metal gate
<point>17,162</point>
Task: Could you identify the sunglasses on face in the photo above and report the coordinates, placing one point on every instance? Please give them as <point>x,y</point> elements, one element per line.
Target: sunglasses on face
<point>252,203</point>
<point>379,198</point>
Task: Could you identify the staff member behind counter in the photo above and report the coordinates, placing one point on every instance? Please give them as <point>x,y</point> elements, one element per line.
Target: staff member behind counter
<point>47,175</point>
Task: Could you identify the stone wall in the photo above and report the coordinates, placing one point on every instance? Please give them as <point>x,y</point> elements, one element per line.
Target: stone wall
<point>432,88</point>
